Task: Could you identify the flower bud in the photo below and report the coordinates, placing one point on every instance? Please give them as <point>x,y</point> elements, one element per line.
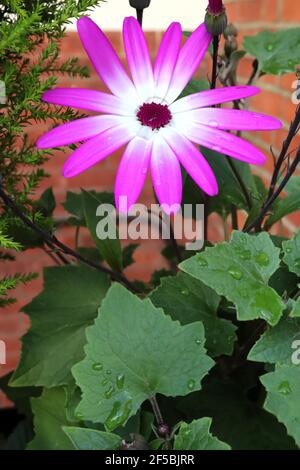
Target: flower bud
<point>215,18</point>
<point>230,31</point>
<point>139,4</point>
<point>215,7</point>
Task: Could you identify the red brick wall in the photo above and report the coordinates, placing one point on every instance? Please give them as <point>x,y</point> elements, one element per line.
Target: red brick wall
<point>250,17</point>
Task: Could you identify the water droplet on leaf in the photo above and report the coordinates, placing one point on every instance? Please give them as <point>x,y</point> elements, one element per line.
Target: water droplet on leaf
<point>198,341</point>
<point>109,392</point>
<point>120,381</point>
<point>97,366</point>
<point>191,384</point>
<point>104,382</point>
<point>202,261</point>
<point>119,414</point>
<point>235,273</point>
<point>262,258</point>
<point>108,371</point>
<point>185,292</point>
<point>270,47</point>
<point>284,388</point>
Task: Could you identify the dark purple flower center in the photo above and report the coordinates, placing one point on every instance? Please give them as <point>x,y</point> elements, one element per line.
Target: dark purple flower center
<point>154,115</point>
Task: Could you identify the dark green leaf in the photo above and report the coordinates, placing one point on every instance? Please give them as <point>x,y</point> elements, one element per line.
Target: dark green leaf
<point>59,316</point>
<point>188,300</point>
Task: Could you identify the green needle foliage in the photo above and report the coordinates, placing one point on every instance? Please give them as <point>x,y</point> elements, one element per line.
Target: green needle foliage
<point>30,34</point>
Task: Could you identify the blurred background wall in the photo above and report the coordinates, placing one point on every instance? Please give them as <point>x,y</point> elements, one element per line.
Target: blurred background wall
<point>250,16</point>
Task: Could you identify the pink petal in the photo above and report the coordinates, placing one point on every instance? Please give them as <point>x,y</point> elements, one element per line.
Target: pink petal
<point>138,57</point>
<point>104,59</point>
<point>98,148</point>
<point>166,176</point>
<point>166,58</point>
<point>89,100</point>
<point>192,160</point>
<point>188,61</point>
<point>232,119</point>
<point>75,131</point>
<point>132,172</point>
<point>211,97</point>
<point>223,142</point>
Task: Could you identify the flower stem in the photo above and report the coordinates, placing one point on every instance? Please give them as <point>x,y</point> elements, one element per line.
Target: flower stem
<point>216,42</point>
<point>139,16</point>
<point>52,242</point>
<point>272,194</point>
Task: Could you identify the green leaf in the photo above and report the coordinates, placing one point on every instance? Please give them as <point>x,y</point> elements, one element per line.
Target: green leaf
<point>195,86</point>
<point>109,248</point>
<point>291,249</point>
<point>286,205</point>
<point>296,309</point>
<point>196,436</point>
<point>276,344</point>
<point>47,201</point>
<point>59,316</point>
<point>236,419</point>
<point>49,418</point>
<point>283,387</point>
<point>188,300</point>
<point>127,361</point>
<point>73,205</point>
<point>240,270</point>
<point>277,52</point>
<point>91,439</point>
<point>128,253</point>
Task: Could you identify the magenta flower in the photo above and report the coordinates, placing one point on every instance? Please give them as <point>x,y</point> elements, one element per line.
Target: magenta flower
<point>143,113</point>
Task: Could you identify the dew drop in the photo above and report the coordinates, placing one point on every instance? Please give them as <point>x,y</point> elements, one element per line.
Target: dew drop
<point>104,382</point>
<point>108,372</point>
<point>245,255</point>
<point>262,258</point>
<point>291,63</point>
<point>235,273</point>
<point>216,148</point>
<point>157,182</point>
<point>284,388</point>
<point>198,341</point>
<point>79,416</point>
<point>191,384</point>
<point>109,392</point>
<point>120,380</point>
<point>185,292</point>
<point>97,366</point>
<point>119,414</point>
<point>288,250</point>
<point>270,47</point>
<point>297,262</point>
<point>202,261</point>
<point>144,171</point>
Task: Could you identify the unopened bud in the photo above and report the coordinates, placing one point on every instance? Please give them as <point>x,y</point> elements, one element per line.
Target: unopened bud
<point>230,31</point>
<point>215,18</point>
